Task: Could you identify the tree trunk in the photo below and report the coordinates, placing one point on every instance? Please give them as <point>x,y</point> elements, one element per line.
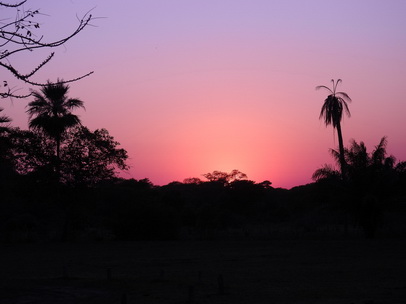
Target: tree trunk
<point>58,158</point>
<point>343,164</point>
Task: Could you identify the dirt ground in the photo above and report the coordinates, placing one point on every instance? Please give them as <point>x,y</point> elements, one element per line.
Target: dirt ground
<point>278,271</point>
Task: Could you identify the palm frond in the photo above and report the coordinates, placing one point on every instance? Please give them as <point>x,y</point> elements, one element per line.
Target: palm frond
<point>357,156</point>
<point>55,91</point>
<point>378,155</point>
<point>336,155</point>
<point>73,103</point>
<point>39,123</point>
<point>327,171</point>
<point>344,96</point>
<point>401,167</point>
<point>37,107</point>
<point>334,105</point>
<point>50,111</point>
<point>345,107</point>
<point>390,161</point>
<point>324,87</point>
<point>4,118</point>
<point>69,121</point>
<point>335,84</point>
<point>331,111</point>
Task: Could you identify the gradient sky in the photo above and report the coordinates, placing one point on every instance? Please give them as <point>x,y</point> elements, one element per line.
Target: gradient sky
<point>188,86</point>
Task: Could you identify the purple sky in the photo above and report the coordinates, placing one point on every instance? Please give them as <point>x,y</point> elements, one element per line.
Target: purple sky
<point>188,87</point>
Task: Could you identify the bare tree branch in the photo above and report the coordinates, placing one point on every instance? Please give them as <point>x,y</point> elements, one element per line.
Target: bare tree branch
<point>18,36</point>
<point>13,5</point>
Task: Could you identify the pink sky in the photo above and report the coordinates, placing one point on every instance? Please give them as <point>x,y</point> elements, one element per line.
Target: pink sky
<point>188,87</point>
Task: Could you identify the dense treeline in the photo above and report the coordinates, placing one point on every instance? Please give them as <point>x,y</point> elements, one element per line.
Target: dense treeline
<point>58,182</point>
<point>58,179</point>
<point>120,209</point>
<point>62,186</point>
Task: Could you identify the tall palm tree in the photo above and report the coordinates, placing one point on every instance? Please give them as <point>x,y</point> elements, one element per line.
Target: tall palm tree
<point>332,113</point>
<point>51,113</point>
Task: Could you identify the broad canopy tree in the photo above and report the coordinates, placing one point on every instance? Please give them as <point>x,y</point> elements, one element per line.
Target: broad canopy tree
<point>224,177</point>
<point>86,157</point>
<point>90,157</point>
<point>56,132</point>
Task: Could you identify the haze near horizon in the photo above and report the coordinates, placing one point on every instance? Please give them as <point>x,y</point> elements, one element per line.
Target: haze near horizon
<point>189,87</point>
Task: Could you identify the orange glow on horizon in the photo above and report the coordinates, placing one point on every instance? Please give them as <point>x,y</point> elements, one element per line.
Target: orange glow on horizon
<point>220,85</point>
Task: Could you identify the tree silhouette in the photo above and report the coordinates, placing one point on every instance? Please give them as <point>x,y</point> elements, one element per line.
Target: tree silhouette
<point>192,180</point>
<point>372,179</point>
<point>224,177</point>
<point>20,33</point>
<point>87,157</point>
<point>31,152</point>
<point>361,165</point>
<point>50,113</point>
<point>90,157</point>
<point>325,172</point>
<point>3,118</point>
<point>5,162</point>
<point>332,113</point>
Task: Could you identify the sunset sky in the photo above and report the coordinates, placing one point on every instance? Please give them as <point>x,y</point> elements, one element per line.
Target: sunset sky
<point>192,86</point>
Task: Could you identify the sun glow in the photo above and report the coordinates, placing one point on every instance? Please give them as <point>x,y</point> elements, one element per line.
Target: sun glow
<point>201,87</point>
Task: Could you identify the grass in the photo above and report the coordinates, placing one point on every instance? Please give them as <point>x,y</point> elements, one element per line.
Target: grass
<point>280,271</point>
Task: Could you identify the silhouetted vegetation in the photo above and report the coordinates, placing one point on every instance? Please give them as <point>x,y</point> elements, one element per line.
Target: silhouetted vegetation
<point>332,113</point>
<point>58,182</point>
<point>51,114</point>
<point>21,33</point>
<point>374,183</point>
<point>5,148</point>
<point>86,157</point>
<point>90,203</point>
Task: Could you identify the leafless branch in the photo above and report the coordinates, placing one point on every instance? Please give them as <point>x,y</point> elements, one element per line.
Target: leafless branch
<point>13,5</point>
<point>19,35</point>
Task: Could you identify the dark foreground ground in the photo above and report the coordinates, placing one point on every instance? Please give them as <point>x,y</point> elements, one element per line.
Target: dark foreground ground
<point>342,271</point>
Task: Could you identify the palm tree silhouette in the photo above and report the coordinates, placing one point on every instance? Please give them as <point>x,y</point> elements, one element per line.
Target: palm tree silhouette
<point>3,118</point>
<point>332,113</point>
<point>361,165</point>
<point>50,113</point>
